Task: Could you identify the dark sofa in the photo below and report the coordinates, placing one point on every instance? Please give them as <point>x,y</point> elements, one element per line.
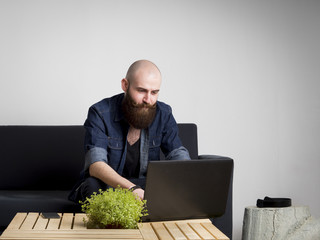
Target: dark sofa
<point>41,164</point>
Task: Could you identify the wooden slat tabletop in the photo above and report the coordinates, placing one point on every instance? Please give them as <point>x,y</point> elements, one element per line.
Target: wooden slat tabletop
<point>72,226</point>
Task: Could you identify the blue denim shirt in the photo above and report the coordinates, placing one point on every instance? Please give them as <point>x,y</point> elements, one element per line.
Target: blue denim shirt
<point>106,136</point>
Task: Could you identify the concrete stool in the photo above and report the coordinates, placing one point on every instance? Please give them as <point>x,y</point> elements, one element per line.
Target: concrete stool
<point>291,223</point>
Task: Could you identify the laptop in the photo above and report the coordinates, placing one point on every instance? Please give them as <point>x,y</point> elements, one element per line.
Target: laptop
<point>187,189</point>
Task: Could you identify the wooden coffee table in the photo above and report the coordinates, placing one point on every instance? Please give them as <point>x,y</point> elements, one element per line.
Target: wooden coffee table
<point>72,226</point>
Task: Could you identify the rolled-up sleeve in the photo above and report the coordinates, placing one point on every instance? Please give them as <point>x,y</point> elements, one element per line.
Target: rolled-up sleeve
<point>180,153</point>
<point>95,154</point>
<point>96,139</point>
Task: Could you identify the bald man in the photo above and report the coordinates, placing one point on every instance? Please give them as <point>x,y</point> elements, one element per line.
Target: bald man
<point>126,131</point>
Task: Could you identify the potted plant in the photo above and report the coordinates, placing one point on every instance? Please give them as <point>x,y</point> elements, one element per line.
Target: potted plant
<point>114,208</point>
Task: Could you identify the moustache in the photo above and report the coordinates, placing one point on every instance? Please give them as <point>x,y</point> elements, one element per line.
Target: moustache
<point>143,105</point>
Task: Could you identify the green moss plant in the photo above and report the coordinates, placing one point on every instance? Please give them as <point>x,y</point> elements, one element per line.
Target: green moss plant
<point>114,208</point>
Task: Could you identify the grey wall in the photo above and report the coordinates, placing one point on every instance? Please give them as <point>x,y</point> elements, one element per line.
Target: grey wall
<point>246,72</point>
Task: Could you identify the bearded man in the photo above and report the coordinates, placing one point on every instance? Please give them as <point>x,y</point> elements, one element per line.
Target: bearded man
<point>126,131</point>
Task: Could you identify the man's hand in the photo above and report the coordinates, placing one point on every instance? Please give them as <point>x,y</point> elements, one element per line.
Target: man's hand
<point>105,173</point>
<point>139,192</point>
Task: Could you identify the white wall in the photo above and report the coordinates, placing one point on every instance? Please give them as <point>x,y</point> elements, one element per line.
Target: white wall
<point>246,72</point>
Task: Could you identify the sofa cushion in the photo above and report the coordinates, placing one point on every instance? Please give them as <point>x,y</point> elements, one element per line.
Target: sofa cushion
<point>34,201</point>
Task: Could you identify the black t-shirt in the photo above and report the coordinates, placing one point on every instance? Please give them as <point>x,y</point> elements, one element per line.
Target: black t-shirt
<point>132,166</point>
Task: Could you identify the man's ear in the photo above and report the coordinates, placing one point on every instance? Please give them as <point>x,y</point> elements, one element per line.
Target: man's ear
<point>124,85</point>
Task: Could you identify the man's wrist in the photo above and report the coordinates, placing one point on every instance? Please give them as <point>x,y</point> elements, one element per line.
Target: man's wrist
<point>134,188</point>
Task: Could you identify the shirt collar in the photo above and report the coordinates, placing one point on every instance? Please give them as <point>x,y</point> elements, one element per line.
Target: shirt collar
<point>119,116</point>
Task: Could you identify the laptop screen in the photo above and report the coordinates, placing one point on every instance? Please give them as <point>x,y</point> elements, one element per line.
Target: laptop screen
<point>187,189</point>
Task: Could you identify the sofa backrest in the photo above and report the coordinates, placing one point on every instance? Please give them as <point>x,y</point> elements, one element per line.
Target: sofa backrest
<point>40,157</point>
<point>189,138</point>
<point>52,157</point>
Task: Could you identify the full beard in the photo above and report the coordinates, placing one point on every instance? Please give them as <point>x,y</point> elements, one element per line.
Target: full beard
<point>139,116</point>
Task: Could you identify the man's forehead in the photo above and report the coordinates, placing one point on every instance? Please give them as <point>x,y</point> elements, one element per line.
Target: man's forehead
<point>147,79</point>
<point>148,84</point>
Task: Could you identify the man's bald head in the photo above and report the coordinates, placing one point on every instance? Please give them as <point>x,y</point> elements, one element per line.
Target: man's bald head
<point>142,68</point>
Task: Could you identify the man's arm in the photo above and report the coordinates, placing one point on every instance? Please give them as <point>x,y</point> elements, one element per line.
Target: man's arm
<point>105,173</point>
<point>96,158</point>
<point>180,153</point>
<point>171,144</point>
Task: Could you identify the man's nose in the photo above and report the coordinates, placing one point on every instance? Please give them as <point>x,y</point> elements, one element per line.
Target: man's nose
<point>147,98</point>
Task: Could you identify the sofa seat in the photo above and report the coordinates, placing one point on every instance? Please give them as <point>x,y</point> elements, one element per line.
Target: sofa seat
<point>34,201</point>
